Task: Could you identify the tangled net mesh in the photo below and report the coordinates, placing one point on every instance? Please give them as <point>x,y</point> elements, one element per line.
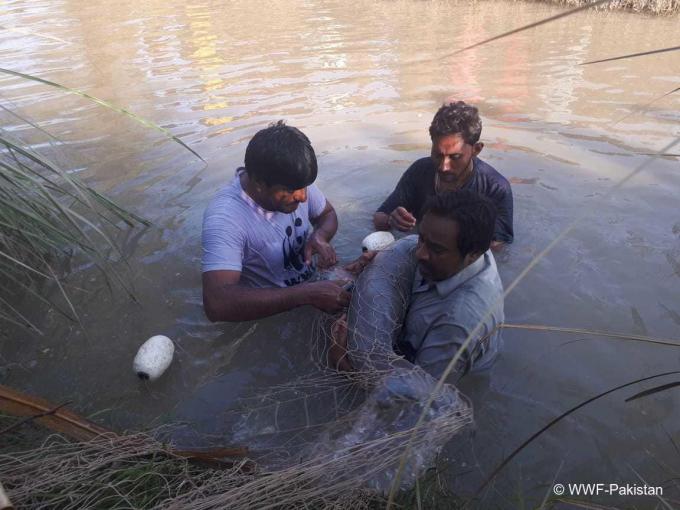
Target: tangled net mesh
<point>327,439</point>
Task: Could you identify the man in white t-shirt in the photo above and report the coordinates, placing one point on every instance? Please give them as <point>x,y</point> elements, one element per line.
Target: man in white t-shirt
<point>258,241</point>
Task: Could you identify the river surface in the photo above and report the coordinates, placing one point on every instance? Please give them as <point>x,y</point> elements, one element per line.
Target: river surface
<point>363,81</point>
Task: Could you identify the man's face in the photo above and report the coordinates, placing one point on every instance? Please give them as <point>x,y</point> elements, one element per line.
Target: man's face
<point>282,199</point>
<point>451,156</point>
<point>437,252</point>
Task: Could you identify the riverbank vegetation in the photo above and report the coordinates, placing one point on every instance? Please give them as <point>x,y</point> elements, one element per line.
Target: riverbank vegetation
<point>648,6</point>
<point>48,214</point>
<point>137,471</point>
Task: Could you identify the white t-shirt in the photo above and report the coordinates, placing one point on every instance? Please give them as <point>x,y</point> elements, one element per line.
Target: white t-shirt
<point>266,247</point>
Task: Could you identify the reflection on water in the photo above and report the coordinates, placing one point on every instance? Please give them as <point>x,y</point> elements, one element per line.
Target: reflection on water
<point>364,89</point>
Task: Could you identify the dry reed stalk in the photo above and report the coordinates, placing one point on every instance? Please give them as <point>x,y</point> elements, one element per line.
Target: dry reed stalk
<point>593,332</point>
<point>139,472</point>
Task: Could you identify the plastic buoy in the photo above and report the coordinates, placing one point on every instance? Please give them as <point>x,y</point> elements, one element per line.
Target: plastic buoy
<point>377,241</point>
<point>153,357</point>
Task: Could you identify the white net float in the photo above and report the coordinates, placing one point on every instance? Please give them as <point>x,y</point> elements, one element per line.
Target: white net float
<point>377,241</point>
<point>153,357</point>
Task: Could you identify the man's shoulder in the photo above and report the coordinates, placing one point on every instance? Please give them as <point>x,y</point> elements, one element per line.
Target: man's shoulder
<point>226,197</point>
<point>399,252</point>
<point>226,208</point>
<point>481,291</point>
<point>406,244</point>
<point>421,165</point>
<point>489,175</point>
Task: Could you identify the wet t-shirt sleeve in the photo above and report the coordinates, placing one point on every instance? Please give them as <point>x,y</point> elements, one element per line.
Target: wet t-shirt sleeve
<point>316,201</point>
<point>491,183</point>
<point>223,240</point>
<point>405,194</point>
<point>502,198</point>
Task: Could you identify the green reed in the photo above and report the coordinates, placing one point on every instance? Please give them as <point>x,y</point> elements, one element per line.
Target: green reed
<point>45,214</point>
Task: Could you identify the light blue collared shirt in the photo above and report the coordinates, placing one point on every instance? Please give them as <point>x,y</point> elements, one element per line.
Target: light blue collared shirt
<point>442,314</point>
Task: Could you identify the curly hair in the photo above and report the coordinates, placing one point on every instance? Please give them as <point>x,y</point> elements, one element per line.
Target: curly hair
<point>457,118</point>
<point>474,213</point>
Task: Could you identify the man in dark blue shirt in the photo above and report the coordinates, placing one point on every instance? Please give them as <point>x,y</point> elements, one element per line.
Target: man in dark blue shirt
<point>452,165</point>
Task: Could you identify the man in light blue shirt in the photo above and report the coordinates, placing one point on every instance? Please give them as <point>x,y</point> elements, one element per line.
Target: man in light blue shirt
<point>261,231</point>
<point>455,286</point>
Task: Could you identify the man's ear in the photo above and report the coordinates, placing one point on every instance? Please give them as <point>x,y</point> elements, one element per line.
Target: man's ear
<point>259,184</point>
<point>477,148</point>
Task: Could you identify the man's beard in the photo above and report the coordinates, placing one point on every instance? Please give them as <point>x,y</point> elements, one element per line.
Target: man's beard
<point>444,185</point>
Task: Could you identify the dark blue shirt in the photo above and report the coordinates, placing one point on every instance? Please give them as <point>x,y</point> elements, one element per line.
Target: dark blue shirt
<point>417,185</point>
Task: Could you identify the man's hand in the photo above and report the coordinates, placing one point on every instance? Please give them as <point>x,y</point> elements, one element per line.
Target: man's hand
<point>319,245</point>
<point>337,352</point>
<point>401,219</point>
<point>357,266</point>
<point>328,295</point>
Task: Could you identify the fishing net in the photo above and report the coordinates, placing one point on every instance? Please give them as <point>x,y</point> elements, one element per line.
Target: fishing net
<point>326,439</point>
<point>363,417</point>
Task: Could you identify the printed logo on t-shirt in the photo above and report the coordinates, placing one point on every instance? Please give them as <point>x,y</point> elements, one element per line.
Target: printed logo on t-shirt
<point>293,247</point>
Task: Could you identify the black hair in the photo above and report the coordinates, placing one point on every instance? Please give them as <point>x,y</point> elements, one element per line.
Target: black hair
<point>457,118</point>
<point>281,155</point>
<point>474,213</point>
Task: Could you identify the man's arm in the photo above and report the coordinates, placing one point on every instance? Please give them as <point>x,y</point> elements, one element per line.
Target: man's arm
<point>224,299</point>
<point>381,220</point>
<point>325,227</point>
<point>503,232</point>
<point>400,218</point>
<point>438,349</point>
<point>396,210</point>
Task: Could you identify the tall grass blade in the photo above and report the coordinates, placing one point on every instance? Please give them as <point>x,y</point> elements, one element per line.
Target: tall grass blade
<point>631,55</point>
<point>36,222</point>
<point>419,502</point>
<point>82,191</point>
<point>643,108</point>
<point>27,267</point>
<point>593,332</point>
<point>530,26</point>
<point>556,420</point>
<point>42,162</point>
<point>55,278</point>
<point>36,34</point>
<point>652,391</point>
<point>18,314</point>
<point>675,445</point>
<point>30,123</point>
<point>27,288</point>
<point>106,104</point>
<point>549,492</point>
<point>659,496</point>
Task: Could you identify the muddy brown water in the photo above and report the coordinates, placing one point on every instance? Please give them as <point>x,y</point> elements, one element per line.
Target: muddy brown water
<point>363,82</point>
